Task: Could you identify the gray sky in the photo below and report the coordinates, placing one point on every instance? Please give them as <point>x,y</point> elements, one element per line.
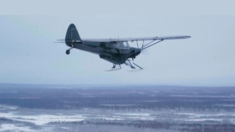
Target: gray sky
<point>28,54</point>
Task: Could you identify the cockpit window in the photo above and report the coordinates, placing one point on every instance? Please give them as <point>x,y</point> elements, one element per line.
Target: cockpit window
<point>123,45</point>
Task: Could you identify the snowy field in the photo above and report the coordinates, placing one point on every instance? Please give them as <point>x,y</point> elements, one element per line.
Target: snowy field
<point>33,108</point>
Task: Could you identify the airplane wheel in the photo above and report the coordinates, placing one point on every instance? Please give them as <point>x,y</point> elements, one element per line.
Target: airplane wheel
<point>67,52</point>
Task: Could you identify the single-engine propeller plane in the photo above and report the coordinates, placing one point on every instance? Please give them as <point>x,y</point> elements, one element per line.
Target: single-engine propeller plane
<point>116,51</point>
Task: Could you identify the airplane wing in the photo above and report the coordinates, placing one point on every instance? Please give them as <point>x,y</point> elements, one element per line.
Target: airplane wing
<point>154,40</point>
<point>136,39</point>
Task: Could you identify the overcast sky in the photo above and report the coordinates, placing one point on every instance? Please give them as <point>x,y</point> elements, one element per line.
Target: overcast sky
<point>28,53</point>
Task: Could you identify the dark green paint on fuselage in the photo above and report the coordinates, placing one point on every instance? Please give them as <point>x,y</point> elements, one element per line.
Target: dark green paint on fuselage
<point>113,55</point>
<point>108,51</point>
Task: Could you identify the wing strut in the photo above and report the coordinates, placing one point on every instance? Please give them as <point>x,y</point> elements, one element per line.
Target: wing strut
<point>150,44</point>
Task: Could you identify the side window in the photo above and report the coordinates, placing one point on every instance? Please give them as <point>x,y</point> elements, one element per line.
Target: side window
<point>123,47</point>
<point>126,45</point>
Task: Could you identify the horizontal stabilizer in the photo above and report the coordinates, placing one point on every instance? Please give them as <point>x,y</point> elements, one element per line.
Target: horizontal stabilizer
<point>69,41</point>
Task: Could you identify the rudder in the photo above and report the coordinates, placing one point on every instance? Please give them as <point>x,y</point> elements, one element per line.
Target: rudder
<point>72,35</point>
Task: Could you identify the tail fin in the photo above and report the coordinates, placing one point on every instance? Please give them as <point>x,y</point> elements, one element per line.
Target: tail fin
<point>72,35</point>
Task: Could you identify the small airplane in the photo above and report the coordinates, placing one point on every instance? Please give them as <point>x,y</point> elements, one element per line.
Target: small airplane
<point>116,51</point>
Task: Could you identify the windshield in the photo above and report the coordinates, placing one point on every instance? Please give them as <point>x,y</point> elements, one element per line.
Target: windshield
<point>123,45</point>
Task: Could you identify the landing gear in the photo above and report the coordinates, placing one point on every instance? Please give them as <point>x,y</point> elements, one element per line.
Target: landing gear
<point>68,51</point>
<point>138,66</point>
<point>114,65</point>
<point>128,63</point>
<point>132,67</point>
<point>114,68</point>
<point>133,58</point>
<point>131,64</point>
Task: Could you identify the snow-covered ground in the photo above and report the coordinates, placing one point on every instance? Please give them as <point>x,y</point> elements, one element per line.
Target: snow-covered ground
<point>145,109</point>
<point>12,127</point>
<point>40,120</point>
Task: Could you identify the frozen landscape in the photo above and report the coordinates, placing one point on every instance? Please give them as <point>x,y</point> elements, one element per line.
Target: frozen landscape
<point>60,108</point>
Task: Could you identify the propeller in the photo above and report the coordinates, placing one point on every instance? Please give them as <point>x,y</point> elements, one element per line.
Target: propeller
<point>144,52</point>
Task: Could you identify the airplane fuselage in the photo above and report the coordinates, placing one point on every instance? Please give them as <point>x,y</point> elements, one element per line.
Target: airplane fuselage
<point>107,51</point>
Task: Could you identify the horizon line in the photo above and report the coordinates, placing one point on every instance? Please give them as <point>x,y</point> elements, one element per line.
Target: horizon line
<point>114,85</point>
